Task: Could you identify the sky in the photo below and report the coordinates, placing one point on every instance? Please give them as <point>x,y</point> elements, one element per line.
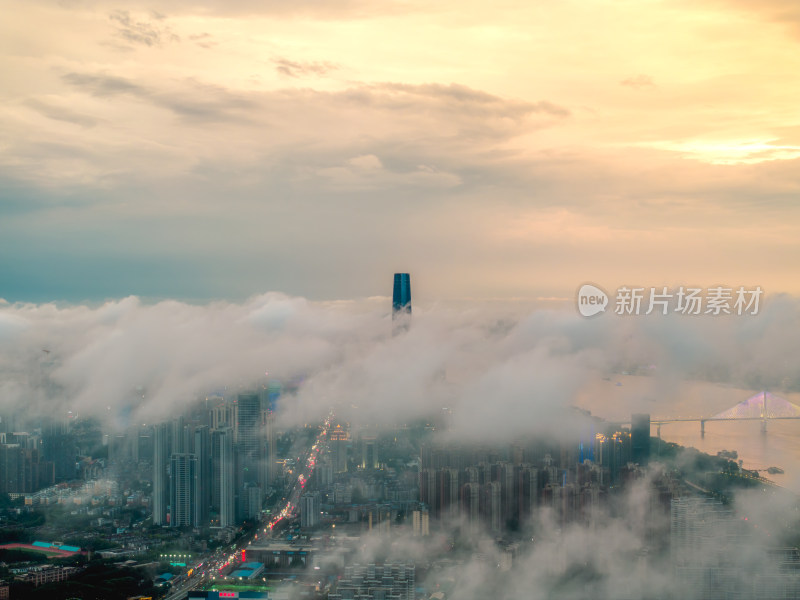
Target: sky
<point>201,151</point>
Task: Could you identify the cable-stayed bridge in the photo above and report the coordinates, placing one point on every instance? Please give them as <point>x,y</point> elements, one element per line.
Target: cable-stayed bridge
<point>763,406</point>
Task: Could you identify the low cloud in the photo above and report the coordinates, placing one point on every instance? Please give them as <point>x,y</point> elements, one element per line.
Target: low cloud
<point>621,549</point>
<point>61,113</point>
<point>292,68</point>
<point>105,85</point>
<point>367,172</point>
<point>142,32</point>
<point>190,100</point>
<point>495,375</point>
<point>638,82</point>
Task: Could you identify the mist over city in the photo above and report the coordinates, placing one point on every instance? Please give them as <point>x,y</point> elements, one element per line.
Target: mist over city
<point>490,447</point>
<point>400,300</point>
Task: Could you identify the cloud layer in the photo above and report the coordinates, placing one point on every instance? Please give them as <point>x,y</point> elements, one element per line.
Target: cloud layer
<point>499,373</point>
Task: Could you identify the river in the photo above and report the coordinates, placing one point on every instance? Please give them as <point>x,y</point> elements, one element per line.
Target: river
<point>617,397</point>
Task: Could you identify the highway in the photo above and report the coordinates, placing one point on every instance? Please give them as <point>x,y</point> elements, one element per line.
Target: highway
<point>293,499</point>
<point>211,566</point>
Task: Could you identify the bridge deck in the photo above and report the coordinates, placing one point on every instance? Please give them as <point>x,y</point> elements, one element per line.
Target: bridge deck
<point>710,419</point>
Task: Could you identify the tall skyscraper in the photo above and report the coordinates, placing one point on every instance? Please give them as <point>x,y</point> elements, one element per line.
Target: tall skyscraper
<point>267,449</point>
<point>526,490</point>
<point>12,471</point>
<point>183,490</point>
<point>221,414</point>
<point>470,493</point>
<point>401,301</point>
<point>162,437</point>
<point>309,509</point>
<point>144,448</point>
<point>248,426</point>
<point>369,453</point>
<point>202,449</point>
<point>640,438</point>
<point>224,475</point>
<point>178,437</point>
<point>340,439</point>
<point>58,446</point>
<point>490,504</point>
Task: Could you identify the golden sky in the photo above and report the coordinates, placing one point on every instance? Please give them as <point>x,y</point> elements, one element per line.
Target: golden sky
<point>508,149</point>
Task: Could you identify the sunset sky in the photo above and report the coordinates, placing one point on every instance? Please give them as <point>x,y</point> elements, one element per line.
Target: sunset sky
<point>215,150</point>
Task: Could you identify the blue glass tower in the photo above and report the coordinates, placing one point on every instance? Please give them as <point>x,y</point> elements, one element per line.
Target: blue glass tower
<point>401,298</point>
<point>401,301</point>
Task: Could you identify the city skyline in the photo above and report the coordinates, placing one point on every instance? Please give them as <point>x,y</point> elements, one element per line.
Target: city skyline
<point>530,505</point>
<point>208,380</point>
<point>489,441</point>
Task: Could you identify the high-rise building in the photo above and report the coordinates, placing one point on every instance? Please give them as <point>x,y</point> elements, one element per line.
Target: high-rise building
<point>224,475</point>
<point>183,490</point>
<point>202,449</point>
<point>251,501</point>
<point>401,301</point>
<point>21,470</point>
<point>248,426</point>
<point>309,509</point>
<point>525,491</point>
<point>445,500</point>
<point>503,473</point>
<point>340,439</point>
<point>613,452</point>
<point>490,505</point>
<point>221,414</point>
<point>470,493</point>
<point>707,546</point>
<point>58,446</point>
<point>162,437</point>
<point>369,452</point>
<point>268,468</point>
<point>394,581</point>
<point>12,469</point>
<point>420,523</point>
<point>179,435</point>
<point>144,449</point>
<point>640,438</point>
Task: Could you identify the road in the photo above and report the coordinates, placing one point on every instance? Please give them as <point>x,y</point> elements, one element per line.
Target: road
<point>205,569</point>
<point>293,499</point>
